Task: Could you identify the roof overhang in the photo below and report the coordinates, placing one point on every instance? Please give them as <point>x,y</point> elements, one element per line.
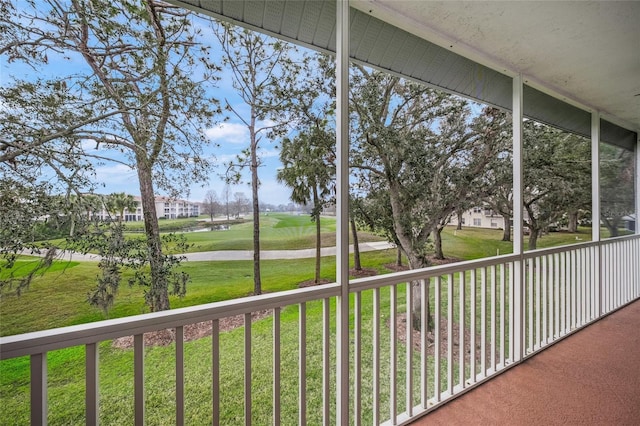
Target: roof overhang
<point>575,57</point>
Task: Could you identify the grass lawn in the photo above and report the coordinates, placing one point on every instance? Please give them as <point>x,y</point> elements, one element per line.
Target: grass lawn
<point>61,294</point>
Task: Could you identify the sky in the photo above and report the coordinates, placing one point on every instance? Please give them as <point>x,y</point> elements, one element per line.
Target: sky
<point>228,138</point>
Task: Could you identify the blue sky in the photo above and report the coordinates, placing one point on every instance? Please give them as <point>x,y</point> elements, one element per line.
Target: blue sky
<point>229,138</point>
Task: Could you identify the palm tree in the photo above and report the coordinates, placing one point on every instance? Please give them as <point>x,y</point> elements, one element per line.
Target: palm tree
<point>118,202</point>
<point>309,170</point>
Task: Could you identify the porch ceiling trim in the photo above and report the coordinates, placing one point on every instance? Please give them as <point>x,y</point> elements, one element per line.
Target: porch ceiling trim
<point>379,44</point>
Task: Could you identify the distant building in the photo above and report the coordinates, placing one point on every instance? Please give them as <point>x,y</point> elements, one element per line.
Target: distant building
<point>166,208</point>
<point>630,222</point>
<point>172,209</point>
<point>480,217</point>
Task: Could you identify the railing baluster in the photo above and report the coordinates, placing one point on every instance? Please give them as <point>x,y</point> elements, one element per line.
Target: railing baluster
<point>247,369</point>
<point>472,343</point>
<point>583,287</point>
<point>92,384</point>
<point>393,353</point>
<point>276,367</point>
<point>326,360</point>
<point>302,363</point>
<point>357,364</point>
<point>376,356</point>
<point>557,306</point>
<point>616,277</point>
<point>483,322</point>
<point>409,348</point>
<point>574,288</point>
<point>604,282</point>
<point>636,255</point>
<point>548,284</point>
<point>566,287</point>
<point>424,329</point>
<point>138,371</point>
<point>436,339</point>
<point>179,375</point>
<point>39,403</point>
<point>450,334</point>
<point>512,309</point>
<point>575,270</point>
<point>563,294</point>
<point>502,319</point>
<point>494,345</point>
<point>541,261</point>
<point>625,271</point>
<point>461,321</point>
<point>595,281</point>
<point>215,371</point>
<point>530,279</point>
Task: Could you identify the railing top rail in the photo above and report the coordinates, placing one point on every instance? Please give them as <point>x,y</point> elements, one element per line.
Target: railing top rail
<point>611,240</point>
<point>64,337</point>
<point>553,250</point>
<point>428,272</point>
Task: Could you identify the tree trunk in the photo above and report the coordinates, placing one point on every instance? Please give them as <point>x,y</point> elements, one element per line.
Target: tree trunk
<point>356,247</point>
<point>533,238</point>
<point>573,221</point>
<point>158,295</point>
<point>611,225</point>
<point>416,260</point>
<point>398,256</point>
<point>437,242</point>
<point>417,263</point>
<point>316,213</point>
<point>506,235</point>
<point>459,227</point>
<point>72,225</point>
<point>257,282</point>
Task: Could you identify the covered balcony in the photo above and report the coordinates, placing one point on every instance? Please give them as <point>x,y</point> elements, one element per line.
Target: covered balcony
<point>574,66</point>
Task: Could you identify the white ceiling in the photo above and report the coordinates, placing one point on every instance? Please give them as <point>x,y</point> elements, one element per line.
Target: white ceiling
<point>585,52</point>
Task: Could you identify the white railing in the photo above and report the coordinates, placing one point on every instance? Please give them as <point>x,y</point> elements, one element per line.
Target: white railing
<point>481,325</point>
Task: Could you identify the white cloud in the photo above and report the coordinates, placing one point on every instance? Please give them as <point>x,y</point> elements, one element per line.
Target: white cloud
<point>119,176</point>
<point>228,132</point>
<point>273,192</point>
<point>88,145</point>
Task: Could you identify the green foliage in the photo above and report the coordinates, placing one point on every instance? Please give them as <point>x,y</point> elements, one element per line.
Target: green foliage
<point>418,153</point>
<point>617,170</point>
<point>557,176</point>
<point>138,93</point>
<point>118,253</point>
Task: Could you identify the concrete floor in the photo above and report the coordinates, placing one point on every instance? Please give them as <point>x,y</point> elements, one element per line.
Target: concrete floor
<point>589,378</point>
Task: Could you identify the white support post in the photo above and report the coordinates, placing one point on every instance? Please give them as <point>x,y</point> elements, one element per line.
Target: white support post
<point>342,210</point>
<point>637,186</point>
<point>595,207</point>
<point>518,206</point>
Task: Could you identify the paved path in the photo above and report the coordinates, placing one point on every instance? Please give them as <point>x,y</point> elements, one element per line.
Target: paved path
<point>241,254</point>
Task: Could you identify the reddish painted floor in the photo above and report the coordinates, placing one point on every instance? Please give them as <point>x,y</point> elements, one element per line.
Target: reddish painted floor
<point>589,378</point>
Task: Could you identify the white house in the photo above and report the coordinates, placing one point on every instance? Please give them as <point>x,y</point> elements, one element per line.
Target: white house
<point>480,217</point>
